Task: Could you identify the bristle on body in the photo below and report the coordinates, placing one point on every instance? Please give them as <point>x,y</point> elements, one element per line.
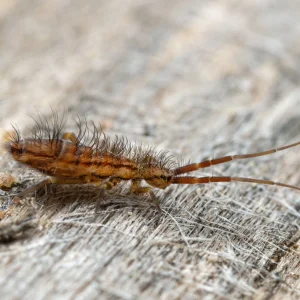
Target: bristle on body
<point>93,157</point>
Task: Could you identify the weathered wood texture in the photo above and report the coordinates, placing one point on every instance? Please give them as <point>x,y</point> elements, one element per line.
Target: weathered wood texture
<point>199,78</point>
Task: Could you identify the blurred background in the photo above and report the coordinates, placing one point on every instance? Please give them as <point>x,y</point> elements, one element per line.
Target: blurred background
<point>198,78</point>
<point>192,64</point>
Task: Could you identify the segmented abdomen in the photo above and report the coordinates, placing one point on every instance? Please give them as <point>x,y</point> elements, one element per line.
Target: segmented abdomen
<point>64,159</point>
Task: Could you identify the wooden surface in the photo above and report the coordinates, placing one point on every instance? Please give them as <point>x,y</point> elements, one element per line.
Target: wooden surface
<point>198,78</point>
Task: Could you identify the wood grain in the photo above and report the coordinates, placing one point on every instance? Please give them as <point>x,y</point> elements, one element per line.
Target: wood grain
<point>198,78</point>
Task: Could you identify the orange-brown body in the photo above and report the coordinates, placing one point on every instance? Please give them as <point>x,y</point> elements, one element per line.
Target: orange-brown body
<point>106,162</point>
<point>76,163</point>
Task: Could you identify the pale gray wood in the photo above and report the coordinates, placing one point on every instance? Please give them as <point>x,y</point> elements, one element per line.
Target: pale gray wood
<point>198,78</point>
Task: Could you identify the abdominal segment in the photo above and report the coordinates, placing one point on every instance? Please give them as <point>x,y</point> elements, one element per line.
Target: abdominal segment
<point>68,160</point>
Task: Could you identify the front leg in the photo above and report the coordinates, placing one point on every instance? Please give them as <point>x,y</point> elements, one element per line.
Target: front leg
<point>136,188</point>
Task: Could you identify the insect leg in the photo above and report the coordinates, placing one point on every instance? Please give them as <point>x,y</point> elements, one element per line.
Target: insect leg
<point>208,179</point>
<point>224,159</point>
<point>33,188</point>
<point>46,182</point>
<point>70,136</point>
<point>136,188</point>
<point>107,184</point>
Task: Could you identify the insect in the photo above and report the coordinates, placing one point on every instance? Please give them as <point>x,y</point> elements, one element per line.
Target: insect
<point>91,157</point>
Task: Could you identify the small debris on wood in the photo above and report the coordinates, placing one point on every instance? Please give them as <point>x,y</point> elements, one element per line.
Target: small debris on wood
<point>6,181</point>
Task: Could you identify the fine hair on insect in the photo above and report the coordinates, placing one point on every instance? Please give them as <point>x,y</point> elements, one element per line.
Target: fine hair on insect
<point>91,157</point>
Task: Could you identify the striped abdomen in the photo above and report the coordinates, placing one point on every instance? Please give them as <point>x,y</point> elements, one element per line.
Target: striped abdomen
<point>64,159</point>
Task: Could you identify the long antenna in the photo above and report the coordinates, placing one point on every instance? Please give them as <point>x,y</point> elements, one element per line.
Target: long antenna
<point>207,163</point>
<point>208,179</point>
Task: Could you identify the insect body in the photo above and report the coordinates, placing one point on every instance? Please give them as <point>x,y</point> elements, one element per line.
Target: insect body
<point>76,163</point>
<point>67,159</point>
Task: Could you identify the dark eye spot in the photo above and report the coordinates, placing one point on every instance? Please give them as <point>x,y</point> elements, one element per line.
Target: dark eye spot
<point>167,178</point>
<point>15,150</point>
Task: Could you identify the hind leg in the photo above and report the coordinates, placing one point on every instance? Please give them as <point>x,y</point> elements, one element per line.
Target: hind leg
<point>31,189</point>
<point>47,182</point>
